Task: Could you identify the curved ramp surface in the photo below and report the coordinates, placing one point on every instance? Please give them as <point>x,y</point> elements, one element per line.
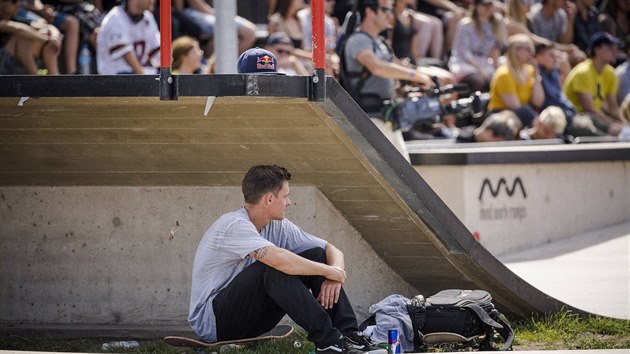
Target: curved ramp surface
<point>115,131</point>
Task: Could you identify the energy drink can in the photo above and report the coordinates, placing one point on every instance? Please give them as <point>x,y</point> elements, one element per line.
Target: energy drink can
<point>393,340</point>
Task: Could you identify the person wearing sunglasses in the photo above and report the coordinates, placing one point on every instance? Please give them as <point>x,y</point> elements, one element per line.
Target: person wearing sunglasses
<point>369,69</point>
<point>281,46</point>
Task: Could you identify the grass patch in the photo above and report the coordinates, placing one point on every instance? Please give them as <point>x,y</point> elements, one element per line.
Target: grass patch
<point>565,330</point>
<point>562,330</point>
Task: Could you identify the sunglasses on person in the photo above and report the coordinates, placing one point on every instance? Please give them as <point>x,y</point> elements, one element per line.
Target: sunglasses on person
<point>386,10</point>
<point>283,51</point>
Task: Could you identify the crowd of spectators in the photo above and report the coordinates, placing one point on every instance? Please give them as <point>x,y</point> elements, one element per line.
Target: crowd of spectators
<point>528,55</point>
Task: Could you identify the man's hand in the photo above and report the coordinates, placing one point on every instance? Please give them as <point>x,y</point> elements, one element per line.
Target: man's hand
<point>329,293</point>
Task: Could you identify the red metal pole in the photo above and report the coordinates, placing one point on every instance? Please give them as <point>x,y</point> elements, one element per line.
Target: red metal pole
<point>165,33</point>
<point>319,35</point>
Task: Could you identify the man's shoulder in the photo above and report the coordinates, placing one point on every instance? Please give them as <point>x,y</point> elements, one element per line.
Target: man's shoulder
<point>359,37</point>
<point>115,14</point>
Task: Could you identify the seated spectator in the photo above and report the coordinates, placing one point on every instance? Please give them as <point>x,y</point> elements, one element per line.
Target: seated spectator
<point>284,18</point>
<point>186,56</point>
<point>623,73</point>
<point>198,20</point>
<point>88,15</point>
<point>13,47</point>
<point>331,26</point>
<point>516,85</point>
<point>22,43</point>
<point>281,46</point>
<point>478,43</point>
<point>553,20</point>
<point>550,124</point>
<point>499,126</point>
<point>548,68</point>
<point>403,40</point>
<point>586,23</point>
<point>331,31</point>
<point>592,88</point>
<point>517,23</point>
<point>122,28</point>
<point>615,15</point>
<point>403,33</point>
<point>67,24</point>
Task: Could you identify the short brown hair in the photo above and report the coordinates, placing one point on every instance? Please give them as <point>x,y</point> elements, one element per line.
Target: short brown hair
<point>261,179</point>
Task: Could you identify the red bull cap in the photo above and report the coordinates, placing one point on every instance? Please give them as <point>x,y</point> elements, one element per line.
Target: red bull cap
<point>257,61</point>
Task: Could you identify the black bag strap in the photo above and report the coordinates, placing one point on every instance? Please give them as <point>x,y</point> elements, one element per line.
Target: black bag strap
<point>483,315</point>
<point>346,75</point>
<point>506,332</point>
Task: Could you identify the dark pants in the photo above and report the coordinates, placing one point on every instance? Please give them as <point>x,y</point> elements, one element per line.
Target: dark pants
<point>258,297</point>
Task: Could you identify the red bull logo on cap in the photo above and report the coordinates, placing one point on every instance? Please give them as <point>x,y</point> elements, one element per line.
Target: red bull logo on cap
<point>265,62</point>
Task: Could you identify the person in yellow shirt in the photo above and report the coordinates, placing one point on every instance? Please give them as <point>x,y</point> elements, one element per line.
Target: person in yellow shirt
<point>516,85</point>
<point>592,88</point>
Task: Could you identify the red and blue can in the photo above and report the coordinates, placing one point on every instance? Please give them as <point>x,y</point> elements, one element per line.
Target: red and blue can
<point>393,341</point>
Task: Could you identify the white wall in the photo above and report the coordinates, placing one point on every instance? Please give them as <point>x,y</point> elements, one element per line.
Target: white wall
<point>560,200</point>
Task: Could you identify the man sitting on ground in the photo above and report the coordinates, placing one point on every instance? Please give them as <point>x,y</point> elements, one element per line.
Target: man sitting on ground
<point>253,266</point>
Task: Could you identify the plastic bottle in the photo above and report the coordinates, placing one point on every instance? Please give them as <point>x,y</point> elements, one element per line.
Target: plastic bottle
<point>125,344</point>
<point>85,60</point>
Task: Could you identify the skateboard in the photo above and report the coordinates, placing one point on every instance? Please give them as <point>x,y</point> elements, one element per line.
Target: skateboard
<point>279,331</point>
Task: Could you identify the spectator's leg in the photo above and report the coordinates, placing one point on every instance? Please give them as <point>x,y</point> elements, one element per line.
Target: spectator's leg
<point>451,20</point>
<point>24,53</point>
<point>422,39</point>
<point>476,82</point>
<point>429,37</point>
<point>50,53</point>
<point>70,29</point>
<point>246,34</point>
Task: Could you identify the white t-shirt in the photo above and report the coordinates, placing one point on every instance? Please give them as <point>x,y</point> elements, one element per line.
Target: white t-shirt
<point>119,35</point>
<point>224,252</point>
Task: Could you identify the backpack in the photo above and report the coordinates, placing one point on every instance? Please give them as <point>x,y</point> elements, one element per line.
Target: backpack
<point>458,316</point>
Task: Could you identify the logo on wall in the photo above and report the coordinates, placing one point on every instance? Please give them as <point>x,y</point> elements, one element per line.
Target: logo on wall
<point>502,185</point>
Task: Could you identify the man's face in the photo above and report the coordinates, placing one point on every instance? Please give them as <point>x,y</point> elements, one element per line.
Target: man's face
<point>384,15</point>
<point>546,59</point>
<point>8,8</point>
<point>280,202</point>
<point>607,52</point>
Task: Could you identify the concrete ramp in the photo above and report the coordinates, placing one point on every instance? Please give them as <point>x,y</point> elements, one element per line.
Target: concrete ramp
<point>114,131</point>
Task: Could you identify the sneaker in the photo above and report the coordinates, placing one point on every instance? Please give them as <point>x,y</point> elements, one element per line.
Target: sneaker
<point>363,343</point>
<point>343,346</point>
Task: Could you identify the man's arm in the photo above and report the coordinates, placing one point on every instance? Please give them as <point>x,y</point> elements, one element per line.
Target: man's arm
<point>330,290</point>
<point>201,6</point>
<point>389,70</point>
<point>292,264</point>
<point>588,106</point>
<point>133,62</point>
<point>571,10</point>
<point>612,107</point>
